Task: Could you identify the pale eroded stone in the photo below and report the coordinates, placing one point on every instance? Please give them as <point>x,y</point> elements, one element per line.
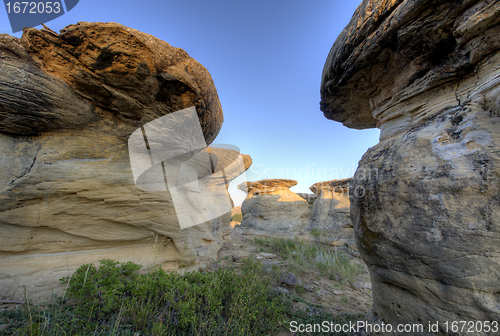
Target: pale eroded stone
<point>425,200</point>
<point>68,104</point>
<point>271,206</point>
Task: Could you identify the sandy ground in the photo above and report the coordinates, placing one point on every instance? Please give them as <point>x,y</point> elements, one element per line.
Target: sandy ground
<point>332,295</point>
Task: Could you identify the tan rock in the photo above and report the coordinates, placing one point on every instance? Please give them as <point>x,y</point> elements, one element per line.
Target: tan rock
<point>234,224</point>
<point>339,243</point>
<point>266,186</point>
<point>236,220</point>
<point>271,206</point>
<point>310,198</point>
<point>271,209</point>
<point>68,105</point>
<point>331,208</point>
<point>425,199</point>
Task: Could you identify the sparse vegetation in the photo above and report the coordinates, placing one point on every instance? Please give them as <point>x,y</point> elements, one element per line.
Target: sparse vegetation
<point>329,261</point>
<point>315,232</point>
<point>114,299</point>
<point>237,218</point>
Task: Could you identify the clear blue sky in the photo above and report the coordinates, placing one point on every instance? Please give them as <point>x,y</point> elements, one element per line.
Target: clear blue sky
<point>266,59</point>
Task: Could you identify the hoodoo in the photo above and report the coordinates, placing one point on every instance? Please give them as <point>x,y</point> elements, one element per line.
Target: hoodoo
<point>69,104</point>
<point>427,223</point>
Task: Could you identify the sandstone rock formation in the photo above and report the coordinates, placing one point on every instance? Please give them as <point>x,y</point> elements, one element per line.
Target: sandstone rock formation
<point>331,208</point>
<point>425,200</point>
<point>68,105</point>
<point>236,211</point>
<point>271,206</point>
<point>274,209</point>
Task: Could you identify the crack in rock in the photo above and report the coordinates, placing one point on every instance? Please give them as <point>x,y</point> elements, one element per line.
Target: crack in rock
<point>27,170</point>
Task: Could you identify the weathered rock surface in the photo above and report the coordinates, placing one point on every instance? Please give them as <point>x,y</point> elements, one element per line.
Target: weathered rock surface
<point>271,206</point>
<point>68,104</point>
<point>331,208</point>
<point>425,200</point>
<point>272,209</point>
<point>394,51</point>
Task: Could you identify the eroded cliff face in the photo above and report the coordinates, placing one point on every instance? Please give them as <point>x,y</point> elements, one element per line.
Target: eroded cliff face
<point>425,200</point>
<point>68,105</point>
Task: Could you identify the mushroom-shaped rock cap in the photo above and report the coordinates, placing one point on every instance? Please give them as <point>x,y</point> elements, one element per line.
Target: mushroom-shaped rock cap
<point>53,82</point>
<point>333,185</point>
<point>225,159</point>
<point>268,185</point>
<point>392,50</point>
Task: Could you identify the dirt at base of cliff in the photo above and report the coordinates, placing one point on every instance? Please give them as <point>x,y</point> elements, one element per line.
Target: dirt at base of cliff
<point>314,292</point>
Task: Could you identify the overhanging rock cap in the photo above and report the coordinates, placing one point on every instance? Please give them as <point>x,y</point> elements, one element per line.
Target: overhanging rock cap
<point>390,45</point>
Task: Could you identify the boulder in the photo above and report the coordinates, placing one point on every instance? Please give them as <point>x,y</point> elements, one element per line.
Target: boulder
<point>425,200</point>
<point>288,279</point>
<point>276,211</point>
<point>69,195</point>
<point>271,206</point>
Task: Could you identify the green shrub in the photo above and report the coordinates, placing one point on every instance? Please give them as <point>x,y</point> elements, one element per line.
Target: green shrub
<point>115,299</point>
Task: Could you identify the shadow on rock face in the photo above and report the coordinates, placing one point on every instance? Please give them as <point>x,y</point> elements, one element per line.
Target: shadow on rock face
<point>69,103</point>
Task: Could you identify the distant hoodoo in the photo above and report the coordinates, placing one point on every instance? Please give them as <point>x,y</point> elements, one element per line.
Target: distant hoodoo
<point>271,208</point>
<point>331,208</point>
